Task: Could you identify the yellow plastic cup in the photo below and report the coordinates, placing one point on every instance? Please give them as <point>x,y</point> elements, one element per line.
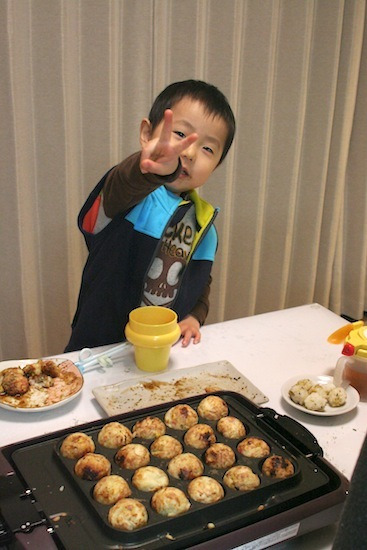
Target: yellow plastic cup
<point>152,330</point>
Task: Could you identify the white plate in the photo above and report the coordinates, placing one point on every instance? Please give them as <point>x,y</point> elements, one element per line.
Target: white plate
<point>69,366</point>
<point>147,391</point>
<point>352,396</point>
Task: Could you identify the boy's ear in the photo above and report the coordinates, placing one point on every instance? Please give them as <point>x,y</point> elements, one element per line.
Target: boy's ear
<point>145,131</point>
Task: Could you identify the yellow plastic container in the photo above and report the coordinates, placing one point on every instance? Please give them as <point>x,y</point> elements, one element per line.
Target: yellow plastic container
<point>152,330</point>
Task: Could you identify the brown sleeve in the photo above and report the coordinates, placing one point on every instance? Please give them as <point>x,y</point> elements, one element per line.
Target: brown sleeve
<point>201,308</point>
<point>126,186</point>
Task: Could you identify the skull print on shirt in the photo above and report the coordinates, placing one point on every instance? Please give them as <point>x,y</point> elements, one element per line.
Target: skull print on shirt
<point>162,282</point>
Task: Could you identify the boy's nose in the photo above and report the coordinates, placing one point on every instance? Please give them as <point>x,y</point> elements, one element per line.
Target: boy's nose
<point>190,152</point>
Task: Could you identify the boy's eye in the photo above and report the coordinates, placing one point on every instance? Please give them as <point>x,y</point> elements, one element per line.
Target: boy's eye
<point>179,134</point>
<point>209,149</point>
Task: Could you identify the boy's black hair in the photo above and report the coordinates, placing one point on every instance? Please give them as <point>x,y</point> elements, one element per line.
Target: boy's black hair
<point>210,96</point>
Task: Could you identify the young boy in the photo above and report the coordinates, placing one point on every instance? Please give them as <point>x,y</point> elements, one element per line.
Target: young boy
<point>150,237</point>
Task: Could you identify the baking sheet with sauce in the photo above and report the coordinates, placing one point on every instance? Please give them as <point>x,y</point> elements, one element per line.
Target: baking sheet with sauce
<point>147,391</point>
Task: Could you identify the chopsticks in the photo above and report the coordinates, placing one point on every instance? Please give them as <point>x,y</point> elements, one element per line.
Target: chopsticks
<point>103,359</point>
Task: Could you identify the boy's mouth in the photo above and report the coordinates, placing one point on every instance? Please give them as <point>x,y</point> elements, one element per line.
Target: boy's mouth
<point>184,172</point>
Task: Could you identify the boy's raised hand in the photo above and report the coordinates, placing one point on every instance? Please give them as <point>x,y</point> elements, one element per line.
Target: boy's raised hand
<point>160,155</point>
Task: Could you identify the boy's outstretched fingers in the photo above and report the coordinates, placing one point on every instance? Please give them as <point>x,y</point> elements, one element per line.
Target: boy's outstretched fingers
<point>167,127</point>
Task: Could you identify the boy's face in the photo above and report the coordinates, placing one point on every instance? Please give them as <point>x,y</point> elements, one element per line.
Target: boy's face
<point>201,158</point>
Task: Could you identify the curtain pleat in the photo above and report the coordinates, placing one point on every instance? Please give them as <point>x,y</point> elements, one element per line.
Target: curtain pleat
<point>27,231</point>
<point>342,123</point>
<point>71,78</point>
<point>353,234</point>
<point>78,77</point>
<point>223,274</point>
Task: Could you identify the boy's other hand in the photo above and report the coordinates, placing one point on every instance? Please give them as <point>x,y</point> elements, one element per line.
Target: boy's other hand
<point>190,330</point>
<point>161,154</point>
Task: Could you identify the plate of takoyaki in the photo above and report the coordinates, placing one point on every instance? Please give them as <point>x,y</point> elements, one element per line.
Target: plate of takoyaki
<point>318,395</point>
<point>38,384</point>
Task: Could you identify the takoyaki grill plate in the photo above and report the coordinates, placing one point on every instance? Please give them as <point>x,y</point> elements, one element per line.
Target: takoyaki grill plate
<point>76,520</point>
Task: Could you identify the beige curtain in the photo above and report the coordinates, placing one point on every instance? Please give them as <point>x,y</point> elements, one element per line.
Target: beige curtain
<point>78,75</point>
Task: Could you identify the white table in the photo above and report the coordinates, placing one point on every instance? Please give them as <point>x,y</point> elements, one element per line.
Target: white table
<point>268,349</point>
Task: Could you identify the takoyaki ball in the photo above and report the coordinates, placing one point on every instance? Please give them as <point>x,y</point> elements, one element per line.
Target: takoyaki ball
<point>305,383</point>
<point>170,502</point>
<point>114,435</point>
<point>328,387</point>
<point>298,394</point>
<point>315,401</point>
<point>337,397</point>
<point>128,514</point>
<point>200,436</point>
<point>14,381</point>
<point>77,445</point>
<point>181,417</point>
<point>149,478</point>
<point>185,466</point>
<point>320,389</point>
<point>132,456</point>
<point>50,368</point>
<point>205,489</point>
<point>253,447</point>
<point>149,428</point>
<point>110,489</point>
<point>220,456</point>
<point>92,466</point>
<point>278,467</point>
<point>212,408</point>
<point>241,478</point>
<point>165,447</point>
<point>231,427</point>
<point>33,369</point>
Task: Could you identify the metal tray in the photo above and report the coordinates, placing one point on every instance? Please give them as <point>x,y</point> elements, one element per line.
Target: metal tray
<point>76,520</point>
